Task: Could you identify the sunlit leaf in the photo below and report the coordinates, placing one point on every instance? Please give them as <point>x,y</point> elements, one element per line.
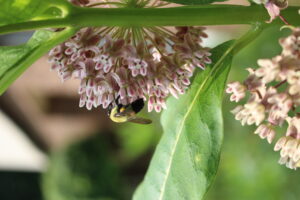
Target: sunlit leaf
<point>194,2</point>
<point>14,60</point>
<point>13,11</point>
<point>187,157</point>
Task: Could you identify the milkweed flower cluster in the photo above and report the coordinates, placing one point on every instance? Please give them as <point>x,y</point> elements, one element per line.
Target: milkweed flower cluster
<point>131,63</point>
<point>274,99</point>
<point>273,7</point>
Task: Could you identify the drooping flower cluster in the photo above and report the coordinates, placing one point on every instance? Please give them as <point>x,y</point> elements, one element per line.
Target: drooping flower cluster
<point>131,63</point>
<point>274,98</point>
<point>273,7</point>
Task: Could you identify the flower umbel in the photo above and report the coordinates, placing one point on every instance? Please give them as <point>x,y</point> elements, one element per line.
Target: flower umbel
<point>130,62</point>
<point>274,99</point>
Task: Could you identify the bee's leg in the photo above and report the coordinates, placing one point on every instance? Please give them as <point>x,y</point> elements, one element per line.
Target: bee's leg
<point>109,108</point>
<point>117,99</point>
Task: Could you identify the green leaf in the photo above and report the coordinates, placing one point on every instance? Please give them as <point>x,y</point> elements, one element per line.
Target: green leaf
<point>194,2</point>
<point>14,60</point>
<point>13,11</point>
<point>186,159</point>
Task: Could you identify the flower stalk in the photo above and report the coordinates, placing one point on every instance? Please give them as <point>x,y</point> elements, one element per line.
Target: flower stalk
<point>80,17</point>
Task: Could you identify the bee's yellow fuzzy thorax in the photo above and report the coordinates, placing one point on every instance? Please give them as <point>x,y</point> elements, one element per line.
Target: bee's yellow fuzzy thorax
<point>119,119</point>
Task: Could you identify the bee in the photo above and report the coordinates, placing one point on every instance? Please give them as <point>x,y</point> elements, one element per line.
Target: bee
<point>127,113</point>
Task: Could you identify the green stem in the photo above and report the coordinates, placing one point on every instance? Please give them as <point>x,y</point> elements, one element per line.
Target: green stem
<point>251,35</point>
<point>240,43</point>
<point>107,3</point>
<point>179,16</point>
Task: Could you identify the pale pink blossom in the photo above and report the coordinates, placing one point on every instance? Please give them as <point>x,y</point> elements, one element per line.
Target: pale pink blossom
<point>289,151</point>
<point>281,105</point>
<point>113,63</point>
<point>273,10</point>
<point>268,70</point>
<point>250,113</point>
<point>265,131</point>
<point>237,90</point>
<point>274,99</point>
<point>291,44</point>
<point>253,82</point>
<point>294,82</point>
<point>273,7</point>
<point>293,129</point>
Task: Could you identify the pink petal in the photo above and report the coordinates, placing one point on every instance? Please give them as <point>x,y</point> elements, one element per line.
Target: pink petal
<point>273,10</point>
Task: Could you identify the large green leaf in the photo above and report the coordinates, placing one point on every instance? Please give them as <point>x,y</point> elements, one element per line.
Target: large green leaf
<point>194,2</point>
<point>186,159</point>
<point>13,11</point>
<point>14,60</point>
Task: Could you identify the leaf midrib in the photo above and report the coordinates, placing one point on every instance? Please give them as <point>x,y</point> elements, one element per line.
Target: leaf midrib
<point>215,68</point>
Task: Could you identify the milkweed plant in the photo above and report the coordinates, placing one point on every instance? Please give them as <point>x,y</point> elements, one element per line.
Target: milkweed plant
<point>153,50</point>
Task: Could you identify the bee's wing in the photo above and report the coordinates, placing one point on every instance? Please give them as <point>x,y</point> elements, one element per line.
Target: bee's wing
<point>139,120</point>
<point>131,115</point>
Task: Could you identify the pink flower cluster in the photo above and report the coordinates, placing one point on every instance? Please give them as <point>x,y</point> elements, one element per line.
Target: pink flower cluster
<point>131,63</point>
<point>274,99</point>
<point>273,7</point>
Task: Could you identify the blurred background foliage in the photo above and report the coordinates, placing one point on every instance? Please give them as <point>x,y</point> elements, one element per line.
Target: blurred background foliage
<point>108,160</point>
<point>107,165</point>
<point>248,167</point>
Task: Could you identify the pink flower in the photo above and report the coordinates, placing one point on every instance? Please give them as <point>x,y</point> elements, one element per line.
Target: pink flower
<point>137,66</point>
<point>274,99</point>
<point>127,64</point>
<point>265,131</point>
<point>273,7</point>
<point>289,151</point>
<point>294,81</point>
<point>281,105</point>
<point>269,69</point>
<point>238,91</point>
<point>250,113</point>
<point>291,44</point>
<point>273,10</point>
<point>293,129</point>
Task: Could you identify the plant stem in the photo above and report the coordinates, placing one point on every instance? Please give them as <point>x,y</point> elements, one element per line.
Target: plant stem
<point>179,16</point>
<point>240,43</point>
<point>106,3</point>
<point>248,37</point>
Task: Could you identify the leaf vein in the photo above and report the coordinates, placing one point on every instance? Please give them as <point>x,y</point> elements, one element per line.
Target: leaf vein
<point>185,118</point>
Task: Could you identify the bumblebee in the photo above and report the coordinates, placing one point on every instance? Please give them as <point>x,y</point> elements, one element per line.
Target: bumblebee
<point>127,113</point>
